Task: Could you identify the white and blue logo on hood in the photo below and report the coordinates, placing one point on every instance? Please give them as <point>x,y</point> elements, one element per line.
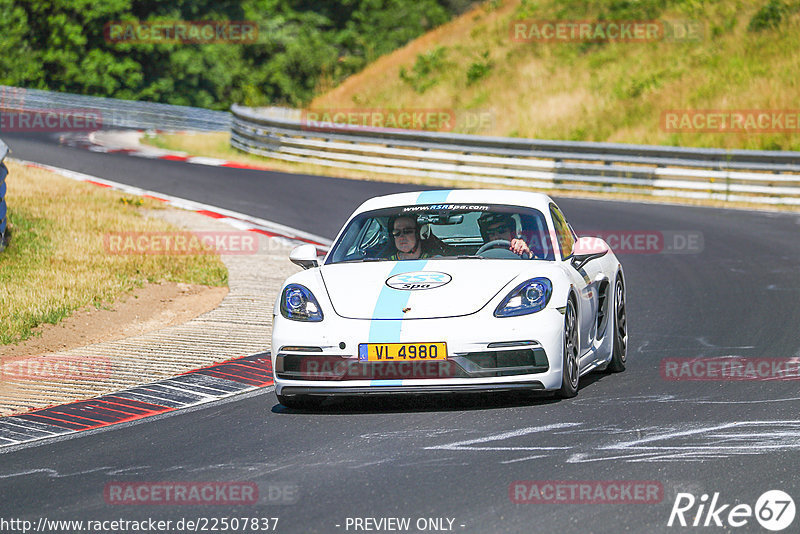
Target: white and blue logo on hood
<point>418,280</point>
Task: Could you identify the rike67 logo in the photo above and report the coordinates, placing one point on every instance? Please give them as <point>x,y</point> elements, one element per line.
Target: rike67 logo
<point>774,510</point>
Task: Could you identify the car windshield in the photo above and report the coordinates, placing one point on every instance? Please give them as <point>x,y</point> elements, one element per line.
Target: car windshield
<point>444,232</point>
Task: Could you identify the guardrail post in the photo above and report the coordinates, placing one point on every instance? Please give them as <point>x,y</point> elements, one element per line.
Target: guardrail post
<point>727,175</point>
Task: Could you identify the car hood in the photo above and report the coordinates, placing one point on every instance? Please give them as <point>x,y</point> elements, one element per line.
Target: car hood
<point>424,289</point>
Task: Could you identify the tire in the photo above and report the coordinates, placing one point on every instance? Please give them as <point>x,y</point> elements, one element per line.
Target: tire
<point>620,349</point>
<point>300,402</point>
<point>570,369</point>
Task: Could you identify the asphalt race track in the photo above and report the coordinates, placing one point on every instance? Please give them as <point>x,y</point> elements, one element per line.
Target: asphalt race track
<point>456,457</point>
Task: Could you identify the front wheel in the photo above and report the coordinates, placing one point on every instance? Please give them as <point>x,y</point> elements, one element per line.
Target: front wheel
<point>620,350</point>
<point>570,372</point>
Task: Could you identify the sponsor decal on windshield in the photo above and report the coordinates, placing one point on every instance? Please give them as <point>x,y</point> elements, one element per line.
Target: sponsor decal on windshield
<point>447,207</point>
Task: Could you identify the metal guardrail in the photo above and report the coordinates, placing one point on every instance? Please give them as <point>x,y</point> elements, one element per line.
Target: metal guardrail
<point>768,177</point>
<point>3,207</point>
<point>115,113</point>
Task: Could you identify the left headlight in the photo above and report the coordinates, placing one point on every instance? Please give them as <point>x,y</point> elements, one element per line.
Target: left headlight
<point>528,297</point>
<point>298,304</point>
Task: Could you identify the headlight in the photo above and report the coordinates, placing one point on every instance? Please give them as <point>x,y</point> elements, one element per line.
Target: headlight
<point>299,304</point>
<point>528,297</point>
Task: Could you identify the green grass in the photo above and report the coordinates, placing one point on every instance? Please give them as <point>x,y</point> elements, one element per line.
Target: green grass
<point>56,263</point>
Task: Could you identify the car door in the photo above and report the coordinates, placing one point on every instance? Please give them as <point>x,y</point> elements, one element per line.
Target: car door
<point>586,280</point>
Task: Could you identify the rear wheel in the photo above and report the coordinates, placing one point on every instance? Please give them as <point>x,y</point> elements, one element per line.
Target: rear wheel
<point>570,372</point>
<point>300,402</point>
<point>620,350</point>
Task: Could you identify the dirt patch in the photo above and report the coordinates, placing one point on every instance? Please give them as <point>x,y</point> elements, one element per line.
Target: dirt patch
<point>149,308</point>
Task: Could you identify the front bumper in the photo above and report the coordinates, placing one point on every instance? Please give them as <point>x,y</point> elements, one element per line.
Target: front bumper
<point>412,390</point>
<point>484,354</point>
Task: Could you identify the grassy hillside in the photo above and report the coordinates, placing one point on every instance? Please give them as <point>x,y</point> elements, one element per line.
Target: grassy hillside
<point>746,58</point>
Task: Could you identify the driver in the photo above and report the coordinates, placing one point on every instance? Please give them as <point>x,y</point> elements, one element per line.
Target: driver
<point>408,245</point>
<point>501,227</point>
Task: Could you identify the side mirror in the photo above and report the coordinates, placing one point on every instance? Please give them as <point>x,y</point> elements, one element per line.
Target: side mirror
<point>305,256</point>
<point>587,249</point>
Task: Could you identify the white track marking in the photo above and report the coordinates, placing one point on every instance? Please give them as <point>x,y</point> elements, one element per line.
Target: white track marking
<point>524,459</point>
<point>690,443</point>
<point>467,444</point>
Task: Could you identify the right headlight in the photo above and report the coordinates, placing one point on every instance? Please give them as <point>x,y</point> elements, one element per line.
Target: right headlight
<point>298,304</point>
<point>528,297</point>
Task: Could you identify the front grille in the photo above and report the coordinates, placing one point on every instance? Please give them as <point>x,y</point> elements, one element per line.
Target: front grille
<point>297,367</point>
<point>506,362</point>
<point>471,365</point>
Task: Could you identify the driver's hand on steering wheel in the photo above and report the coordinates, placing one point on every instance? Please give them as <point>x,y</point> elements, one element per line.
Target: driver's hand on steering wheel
<point>519,247</point>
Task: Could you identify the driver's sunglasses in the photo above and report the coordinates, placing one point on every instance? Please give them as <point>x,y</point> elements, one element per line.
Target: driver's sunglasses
<point>404,231</point>
<point>498,230</point>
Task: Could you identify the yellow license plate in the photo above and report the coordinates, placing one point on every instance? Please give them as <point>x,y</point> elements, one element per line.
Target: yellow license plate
<point>401,352</point>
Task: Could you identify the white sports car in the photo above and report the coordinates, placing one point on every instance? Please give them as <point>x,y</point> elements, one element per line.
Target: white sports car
<point>449,291</point>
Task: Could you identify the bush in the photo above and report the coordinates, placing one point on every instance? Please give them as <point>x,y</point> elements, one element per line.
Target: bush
<point>479,69</point>
<point>769,16</point>
<point>424,73</point>
<point>302,47</point>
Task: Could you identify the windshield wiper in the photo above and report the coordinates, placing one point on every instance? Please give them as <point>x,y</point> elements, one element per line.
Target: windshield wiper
<point>361,260</point>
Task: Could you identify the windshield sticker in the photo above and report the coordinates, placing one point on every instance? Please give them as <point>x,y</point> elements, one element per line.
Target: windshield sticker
<point>448,207</point>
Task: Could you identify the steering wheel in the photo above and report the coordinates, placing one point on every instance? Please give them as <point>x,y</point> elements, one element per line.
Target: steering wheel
<point>497,243</point>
